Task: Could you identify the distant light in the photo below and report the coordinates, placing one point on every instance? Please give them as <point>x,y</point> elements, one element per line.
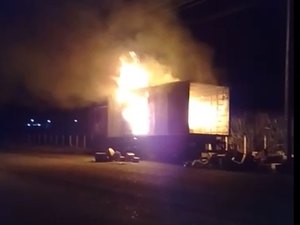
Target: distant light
<point>32,120</point>
<point>48,121</point>
<point>28,125</point>
<point>38,124</point>
<point>75,121</point>
<point>135,138</point>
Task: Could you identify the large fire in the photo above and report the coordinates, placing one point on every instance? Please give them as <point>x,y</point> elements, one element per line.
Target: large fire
<point>134,75</point>
<point>135,108</point>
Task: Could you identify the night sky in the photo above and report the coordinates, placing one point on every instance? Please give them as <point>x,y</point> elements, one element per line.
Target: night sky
<point>247,38</point>
<point>249,42</point>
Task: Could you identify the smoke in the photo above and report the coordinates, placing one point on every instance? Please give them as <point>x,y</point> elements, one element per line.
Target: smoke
<point>67,54</point>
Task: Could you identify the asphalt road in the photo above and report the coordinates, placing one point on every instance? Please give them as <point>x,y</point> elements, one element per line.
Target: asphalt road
<point>72,189</point>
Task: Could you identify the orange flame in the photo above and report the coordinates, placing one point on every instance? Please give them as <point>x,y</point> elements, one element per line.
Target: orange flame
<point>135,107</point>
<point>203,115</point>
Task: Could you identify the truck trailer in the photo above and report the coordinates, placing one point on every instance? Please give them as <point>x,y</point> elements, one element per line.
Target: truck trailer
<point>183,118</point>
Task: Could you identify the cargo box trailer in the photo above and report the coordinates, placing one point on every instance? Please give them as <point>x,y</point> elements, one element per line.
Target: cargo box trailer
<point>180,116</point>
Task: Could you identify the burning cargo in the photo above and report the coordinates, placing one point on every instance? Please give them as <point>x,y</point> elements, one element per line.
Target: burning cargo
<point>177,108</point>
<point>170,116</point>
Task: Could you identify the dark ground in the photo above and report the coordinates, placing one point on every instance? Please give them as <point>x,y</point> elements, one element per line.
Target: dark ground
<point>72,189</point>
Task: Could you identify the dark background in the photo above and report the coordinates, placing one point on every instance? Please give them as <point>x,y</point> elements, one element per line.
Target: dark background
<point>248,38</point>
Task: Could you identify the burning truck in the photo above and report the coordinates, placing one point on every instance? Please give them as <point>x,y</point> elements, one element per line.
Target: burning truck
<point>169,120</point>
